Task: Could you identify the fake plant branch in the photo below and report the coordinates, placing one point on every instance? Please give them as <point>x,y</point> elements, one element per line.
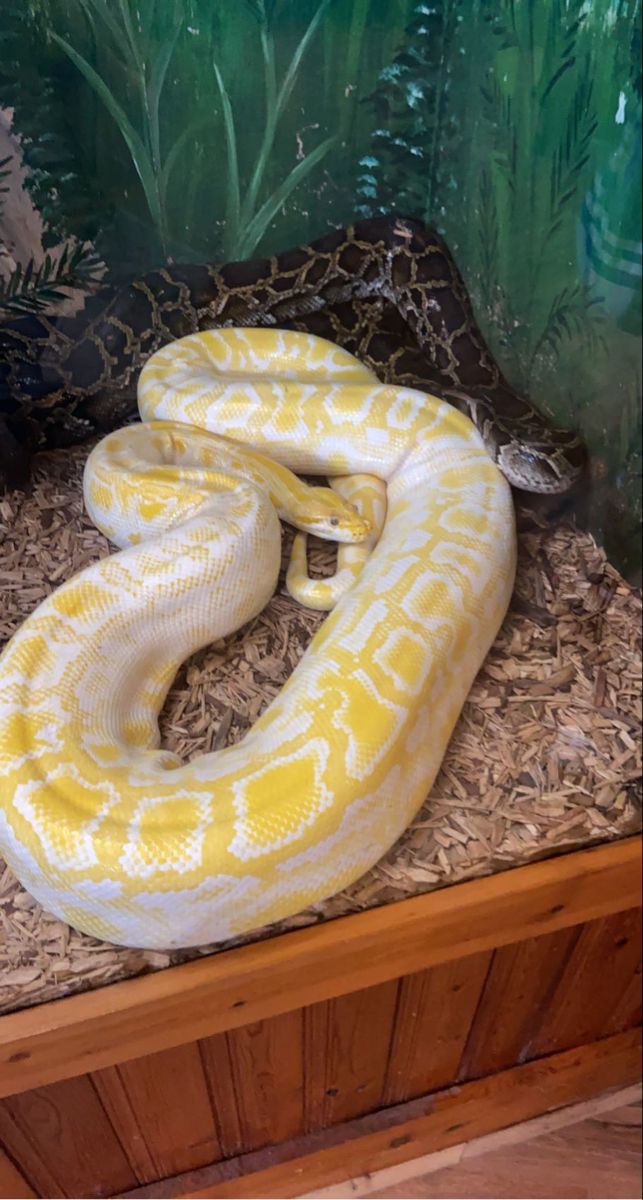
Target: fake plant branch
<point>31,288</point>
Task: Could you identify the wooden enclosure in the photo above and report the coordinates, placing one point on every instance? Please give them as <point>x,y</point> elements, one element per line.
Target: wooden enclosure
<point>278,1068</point>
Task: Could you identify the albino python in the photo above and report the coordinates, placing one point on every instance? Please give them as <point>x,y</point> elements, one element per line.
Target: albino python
<point>386,289</point>
<point>119,837</point>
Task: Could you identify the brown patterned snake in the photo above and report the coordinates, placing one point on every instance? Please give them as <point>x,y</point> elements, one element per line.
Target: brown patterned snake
<point>385,289</point>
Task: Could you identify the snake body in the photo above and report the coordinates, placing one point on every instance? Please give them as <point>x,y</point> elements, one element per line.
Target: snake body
<point>386,289</point>
<point>119,837</point>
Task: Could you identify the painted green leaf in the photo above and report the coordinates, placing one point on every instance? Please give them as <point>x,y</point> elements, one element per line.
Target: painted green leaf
<point>132,138</point>
<point>270,208</point>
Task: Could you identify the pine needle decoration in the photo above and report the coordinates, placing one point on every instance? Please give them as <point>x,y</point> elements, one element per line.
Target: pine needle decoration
<point>32,289</point>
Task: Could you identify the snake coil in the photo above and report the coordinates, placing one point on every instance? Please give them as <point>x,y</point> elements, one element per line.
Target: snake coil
<point>121,838</point>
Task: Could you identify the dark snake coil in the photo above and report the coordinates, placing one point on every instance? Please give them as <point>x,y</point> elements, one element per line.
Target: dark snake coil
<point>385,289</point>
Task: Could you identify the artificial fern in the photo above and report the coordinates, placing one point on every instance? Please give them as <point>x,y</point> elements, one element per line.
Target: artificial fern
<point>411,163</point>
<point>32,288</point>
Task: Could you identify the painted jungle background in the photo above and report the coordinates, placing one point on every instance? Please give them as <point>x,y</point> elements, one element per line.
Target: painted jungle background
<point>220,129</point>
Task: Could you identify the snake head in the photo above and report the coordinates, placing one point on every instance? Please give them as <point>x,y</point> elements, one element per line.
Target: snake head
<point>545,468</point>
<point>325,514</point>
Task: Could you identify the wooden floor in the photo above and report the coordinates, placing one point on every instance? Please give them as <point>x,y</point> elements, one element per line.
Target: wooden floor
<point>599,1157</point>
<point>590,1150</point>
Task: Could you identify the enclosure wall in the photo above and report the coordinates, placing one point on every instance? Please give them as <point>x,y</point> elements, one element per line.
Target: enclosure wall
<point>362,1078</point>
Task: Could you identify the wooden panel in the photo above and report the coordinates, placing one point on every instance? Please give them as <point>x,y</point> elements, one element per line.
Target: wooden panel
<point>167,1097</point>
<point>629,1011</point>
<point>434,1016</point>
<point>13,1185</point>
<point>250,983</point>
<point>21,1150</point>
<point>65,1129</point>
<point>599,971</point>
<point>347,1044</point>
<point>116,1101</point>
<point>517,992</point>
<point>266,1076</point>
<point>215,1056</point>
<point>422,1126</point>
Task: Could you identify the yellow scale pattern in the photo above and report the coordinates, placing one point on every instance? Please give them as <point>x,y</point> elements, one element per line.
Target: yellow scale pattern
<point>119,837</point>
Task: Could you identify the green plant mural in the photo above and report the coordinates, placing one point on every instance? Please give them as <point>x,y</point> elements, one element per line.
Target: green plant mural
<point>217,129</point>
<point>128,39</point>
<point>30,287</point>
<point>246,217</point>
<point>534,133</point>
<point>127,35</point>
<point>419,129</point>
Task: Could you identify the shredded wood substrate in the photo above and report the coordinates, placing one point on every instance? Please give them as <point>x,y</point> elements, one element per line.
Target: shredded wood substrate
<point>546,756</point>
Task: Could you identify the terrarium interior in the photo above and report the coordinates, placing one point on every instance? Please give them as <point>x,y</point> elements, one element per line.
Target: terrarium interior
<point>175,131</point>
<point>134,135</point>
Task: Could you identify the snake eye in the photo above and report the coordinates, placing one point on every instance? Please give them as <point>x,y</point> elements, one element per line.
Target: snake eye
<point>334,520</point>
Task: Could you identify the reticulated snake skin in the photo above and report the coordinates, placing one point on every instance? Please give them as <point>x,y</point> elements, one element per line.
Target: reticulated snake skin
<point>385,289</point>
<point>119,837</point>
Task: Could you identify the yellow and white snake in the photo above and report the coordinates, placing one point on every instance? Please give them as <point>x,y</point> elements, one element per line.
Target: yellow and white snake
<point>119,837</point>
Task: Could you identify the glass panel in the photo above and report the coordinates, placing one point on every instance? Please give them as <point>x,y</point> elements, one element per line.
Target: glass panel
<point>160,130</point>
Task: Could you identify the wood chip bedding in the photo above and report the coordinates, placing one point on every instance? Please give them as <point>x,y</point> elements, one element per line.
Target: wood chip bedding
<point>545,758</point>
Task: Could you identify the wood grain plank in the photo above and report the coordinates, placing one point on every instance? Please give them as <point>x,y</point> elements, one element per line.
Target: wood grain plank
<point>629,1011</point>
<point>601,1111</point>
<point>141,1016</point>
<point>255,1078</point>
<point>268,1071</point>
<point>27,1156</point>
<point>13,1185</point>
<point>583,1160</point>
<point>123,1117</point>
<point>434,1016</point>
<point>168,1096</point>
<point>420,1126</point>
<point>217,1066</point>
<point>599,971</point>
<point>517,991</point>
<point>67,1131</point>
<point>347,1044</point>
